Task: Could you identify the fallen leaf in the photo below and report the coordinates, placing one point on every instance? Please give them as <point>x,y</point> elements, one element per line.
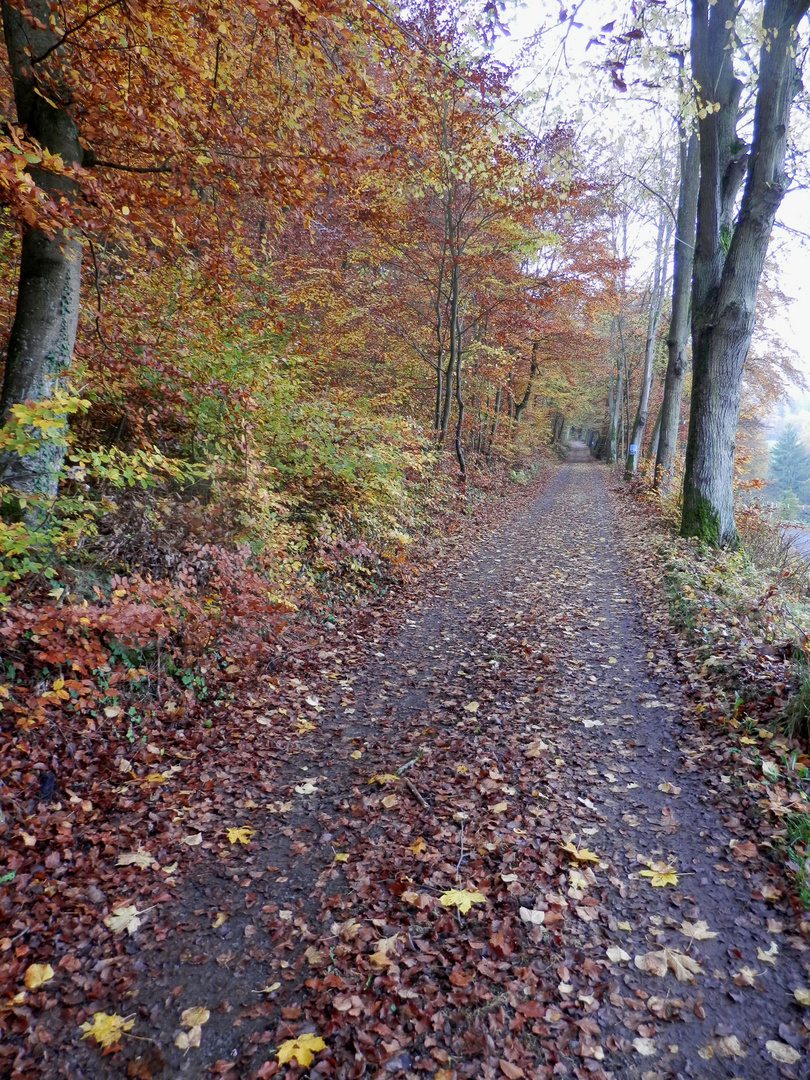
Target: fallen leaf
<point>770,956</point>
<point>730,1046</point>
<point>534,918</point>
<point>220,920</point>
<point>698,931</point>
<point>746,976</point>
<point>510,1070</point>
<point>658,963</point>
<point>187,1039</point>
<point>669,788</point>
<point>616,954</point>
<point>389,801</point>
<point>499,808</point>
<point>645,1047</point>
<point>462,899</point>
<point>341,856</point>
<point>356,754</point>
<point>240,834</point>
<point>802,995</point>
<point>580,854</point>
<point>196,1016</point>
<point>472,707</point>
<point>780,1051</point>
<point>307,788</point>
<point>142,859</point>
<point>192,841</point>
<point>124,918</point>
<point>303,1049</point>
<point>418,846</point>
<point>383,778</point>
<point>106,1028</point>
<point>37,974</point>
<point>660,875</point>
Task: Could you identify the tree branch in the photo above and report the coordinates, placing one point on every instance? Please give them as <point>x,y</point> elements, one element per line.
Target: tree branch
<point>74,29</point>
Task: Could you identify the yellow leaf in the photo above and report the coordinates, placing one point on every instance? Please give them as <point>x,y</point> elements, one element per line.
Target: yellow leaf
<point>580,854</point>
<point>768,957</point>
<point>462,899</point>
<point>418,846</point>
<point>37,974</point>
<point>390,801</point>
<point>499,808</point>
<point>220,920</point>
<point>780,1051</point>
<point>660,875</point>
<point>356,754</point>
<point>802,995</point>
<point>106,1028</point>
<point>301,1049</point>
<point>196,1015</point>
<point>472,706</point>
<point>383,777</point>
<point>341,856</point>
<point>240,834</point>
<point>59,684</point>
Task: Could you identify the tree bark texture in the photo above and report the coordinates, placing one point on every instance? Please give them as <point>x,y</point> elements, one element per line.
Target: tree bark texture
<point>520,406</point>
<point>729,257</point>
<point>44,331</point>
<point>678,333</point>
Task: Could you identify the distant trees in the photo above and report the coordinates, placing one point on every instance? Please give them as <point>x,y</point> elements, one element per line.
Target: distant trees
<point>790,464</point>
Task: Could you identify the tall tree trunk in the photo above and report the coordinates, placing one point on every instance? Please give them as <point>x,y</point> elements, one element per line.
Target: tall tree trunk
<point>520,406</point>
<point>653,315</point>
<point>452,362</point>
<point>725,285</point>
<point>652,450</point>
<point>462,464</point>
<point>493,431</point>
<point>679,320</point>
<point>43,335</point>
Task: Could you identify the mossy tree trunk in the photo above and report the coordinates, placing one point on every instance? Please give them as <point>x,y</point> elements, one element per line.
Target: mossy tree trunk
<point>730,253</point>
<point>44,331</point>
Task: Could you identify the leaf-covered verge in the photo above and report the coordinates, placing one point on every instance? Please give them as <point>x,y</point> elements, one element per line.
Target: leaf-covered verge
<point>105,670</point>
<point>743,617</point>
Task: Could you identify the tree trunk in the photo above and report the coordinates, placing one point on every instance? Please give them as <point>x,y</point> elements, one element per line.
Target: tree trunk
<point>652,450</point>
<point>679,320</point>
<point>493,431</point>
<point>462,464</point>
<point>452,362</point>
<point>43,335</point>
<point>725,286</point>
<point>520,406</point>
<point>654,314</point>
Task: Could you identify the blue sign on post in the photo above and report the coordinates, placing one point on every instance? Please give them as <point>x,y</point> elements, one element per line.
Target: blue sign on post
<point>632,449</point>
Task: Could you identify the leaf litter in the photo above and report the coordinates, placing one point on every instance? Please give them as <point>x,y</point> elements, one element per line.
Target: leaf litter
<point>361,962</point>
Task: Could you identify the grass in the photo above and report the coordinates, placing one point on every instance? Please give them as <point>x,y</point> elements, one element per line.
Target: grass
<point>797,825</point>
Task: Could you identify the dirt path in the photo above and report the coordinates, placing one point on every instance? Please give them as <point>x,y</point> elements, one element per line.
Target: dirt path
<point>524,705</point>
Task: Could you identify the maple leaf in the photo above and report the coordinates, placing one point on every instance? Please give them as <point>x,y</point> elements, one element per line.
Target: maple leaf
<point>462,899</point>
<point>37,974</point>
<point>124,918</point>
<point>418,846</point>
<point>106,1028</point>
<point>746,976</point>
<point>660,874</point>
<point>580,854</point>
<point>698,931</point>
<point>302,1049</point>
<point>769,956</point>
<point>240,834</point>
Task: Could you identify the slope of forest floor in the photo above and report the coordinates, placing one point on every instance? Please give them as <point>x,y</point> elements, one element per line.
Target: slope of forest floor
<point>494,831</point>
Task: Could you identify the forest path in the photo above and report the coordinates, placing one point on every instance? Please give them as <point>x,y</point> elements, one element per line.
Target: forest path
<point>524,704</point>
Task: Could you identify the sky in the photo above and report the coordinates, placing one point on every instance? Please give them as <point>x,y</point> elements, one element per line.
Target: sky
<point>600,111</point>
